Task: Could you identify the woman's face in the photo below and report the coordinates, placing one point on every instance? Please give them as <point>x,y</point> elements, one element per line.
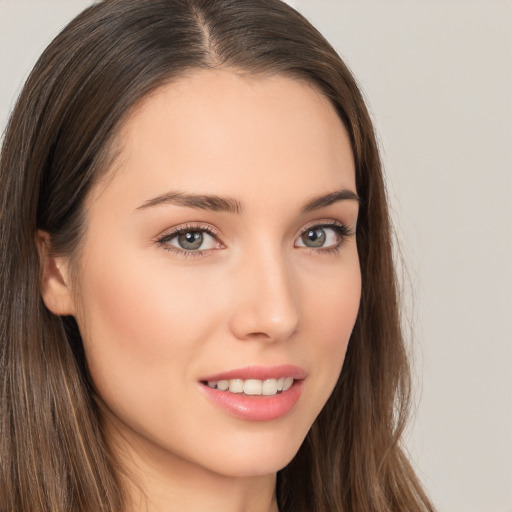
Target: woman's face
<point>221,247</point>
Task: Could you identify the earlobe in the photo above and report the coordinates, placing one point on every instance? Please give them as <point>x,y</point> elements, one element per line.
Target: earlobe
<point>55,283</point>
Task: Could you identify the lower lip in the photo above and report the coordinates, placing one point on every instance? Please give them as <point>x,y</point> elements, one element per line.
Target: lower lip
<point>255,407</point>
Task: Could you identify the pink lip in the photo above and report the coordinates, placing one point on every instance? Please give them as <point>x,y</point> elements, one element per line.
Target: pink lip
<point>256,408</point>
<point>259,372</point>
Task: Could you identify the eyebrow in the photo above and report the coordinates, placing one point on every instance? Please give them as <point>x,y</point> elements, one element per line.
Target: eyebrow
<point>230,205</point>
<point>198,201</point>
<point>328,199</point>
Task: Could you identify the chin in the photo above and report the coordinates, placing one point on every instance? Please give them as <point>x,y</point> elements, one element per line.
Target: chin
<point>257,456</point>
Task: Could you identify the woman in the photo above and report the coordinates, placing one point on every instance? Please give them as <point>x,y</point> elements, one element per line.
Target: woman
<point>193,226</point>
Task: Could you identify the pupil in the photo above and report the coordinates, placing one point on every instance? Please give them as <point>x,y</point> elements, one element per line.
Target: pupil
<point>314,238</point>
<point>190,240</point>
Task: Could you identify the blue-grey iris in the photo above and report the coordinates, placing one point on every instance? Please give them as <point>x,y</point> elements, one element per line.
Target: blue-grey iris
<point>190,240</point>
<point>314,237</point>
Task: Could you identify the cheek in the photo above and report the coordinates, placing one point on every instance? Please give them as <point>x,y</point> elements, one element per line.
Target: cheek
<point>332,301</point>
<point>129,302</point>
<point>331,315</point>
<point>141,326</point>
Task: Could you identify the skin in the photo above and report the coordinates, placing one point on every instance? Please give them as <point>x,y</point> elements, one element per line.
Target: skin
<point>154,321</point>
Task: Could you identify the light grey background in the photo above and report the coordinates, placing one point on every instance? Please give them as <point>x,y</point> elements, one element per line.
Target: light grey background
<point>438,78</point>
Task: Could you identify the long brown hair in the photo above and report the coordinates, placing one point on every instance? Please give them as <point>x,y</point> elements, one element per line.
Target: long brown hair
<point>59,140</point>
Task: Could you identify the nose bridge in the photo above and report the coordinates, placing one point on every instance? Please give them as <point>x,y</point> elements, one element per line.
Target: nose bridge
<point>265,304</point>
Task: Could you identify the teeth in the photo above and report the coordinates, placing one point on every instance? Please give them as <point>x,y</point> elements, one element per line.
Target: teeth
<point>253,387</point>
<point>236,386</point>
<point>267,387</point>
<point>287,383</point>
<point>223,385</point>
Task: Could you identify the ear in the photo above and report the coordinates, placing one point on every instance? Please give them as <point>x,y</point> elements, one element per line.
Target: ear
<point>55,282</point>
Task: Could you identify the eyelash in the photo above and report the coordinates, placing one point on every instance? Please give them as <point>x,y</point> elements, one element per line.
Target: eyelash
<point>340,229</point>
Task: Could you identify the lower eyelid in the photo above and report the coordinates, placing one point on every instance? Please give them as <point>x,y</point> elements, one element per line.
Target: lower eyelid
<point>184,253</point>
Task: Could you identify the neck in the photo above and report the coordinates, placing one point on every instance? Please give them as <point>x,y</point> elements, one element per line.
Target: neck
<point>157,492</point>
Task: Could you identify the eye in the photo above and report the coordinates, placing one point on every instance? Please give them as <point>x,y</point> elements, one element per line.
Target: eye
<point>324,236</point>
<point>190,240</point>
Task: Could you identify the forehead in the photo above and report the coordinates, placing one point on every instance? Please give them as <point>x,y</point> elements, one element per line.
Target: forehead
<point>219,132</point>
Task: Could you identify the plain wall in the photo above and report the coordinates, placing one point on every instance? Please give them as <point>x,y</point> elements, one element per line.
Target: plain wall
<point>438,78</point>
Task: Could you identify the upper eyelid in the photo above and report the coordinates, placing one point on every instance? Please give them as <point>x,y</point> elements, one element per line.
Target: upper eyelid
<point>324,223</point>
<point>171,232</point>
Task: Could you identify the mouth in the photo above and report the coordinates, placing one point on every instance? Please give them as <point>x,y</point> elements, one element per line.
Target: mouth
<point>256,393</point>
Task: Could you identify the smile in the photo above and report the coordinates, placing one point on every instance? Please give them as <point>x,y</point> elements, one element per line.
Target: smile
<point>255,393</point>
<point>253,387</point>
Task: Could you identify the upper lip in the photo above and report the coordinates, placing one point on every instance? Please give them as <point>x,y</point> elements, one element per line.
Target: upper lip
<point>259,372</point>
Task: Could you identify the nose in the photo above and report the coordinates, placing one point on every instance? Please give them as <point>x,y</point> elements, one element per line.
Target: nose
<point>265,303</point>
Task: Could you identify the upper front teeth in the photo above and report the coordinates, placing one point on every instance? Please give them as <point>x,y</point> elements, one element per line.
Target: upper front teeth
<point>253,386</point>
